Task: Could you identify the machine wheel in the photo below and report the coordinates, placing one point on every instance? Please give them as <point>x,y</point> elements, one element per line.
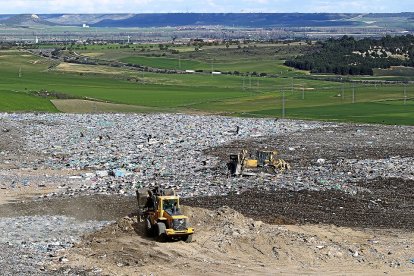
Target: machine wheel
<point>188,239</point>
<point>161,236</point>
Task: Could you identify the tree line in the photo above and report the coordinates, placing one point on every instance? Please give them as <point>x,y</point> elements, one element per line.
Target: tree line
<point>348,56</point>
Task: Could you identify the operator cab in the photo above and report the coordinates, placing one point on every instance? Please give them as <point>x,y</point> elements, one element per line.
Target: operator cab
<point>171,206</point>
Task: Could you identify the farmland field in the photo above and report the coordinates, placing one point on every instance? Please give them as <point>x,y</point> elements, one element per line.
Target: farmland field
<point>29,83</point>
<point>246,65</point>
<point>13,101</point>
<point>394,113</point>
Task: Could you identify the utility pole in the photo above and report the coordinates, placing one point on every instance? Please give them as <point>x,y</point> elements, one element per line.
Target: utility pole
<point>405,94</point>
<point>303,92</point>
<point>179,61</point>
<point>353,93</point>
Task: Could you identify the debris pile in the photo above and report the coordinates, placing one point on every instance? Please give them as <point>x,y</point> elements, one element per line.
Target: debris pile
<point>115,154</point>
<point>33,242</point>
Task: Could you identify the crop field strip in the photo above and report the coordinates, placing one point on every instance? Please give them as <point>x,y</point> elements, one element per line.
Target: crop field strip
<point>227,94</point>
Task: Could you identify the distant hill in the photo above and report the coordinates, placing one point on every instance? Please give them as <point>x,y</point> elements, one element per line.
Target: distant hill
<point>254,20</point>
<point>5,16</point>
<point>79,19</point>
<point>26,20</point>
<point>259,20</point>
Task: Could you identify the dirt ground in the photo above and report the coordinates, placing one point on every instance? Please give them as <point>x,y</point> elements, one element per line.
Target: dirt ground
<point>228,243</point>
<point>379,207</point>
<point>387,203</point>
<point>81,68</point>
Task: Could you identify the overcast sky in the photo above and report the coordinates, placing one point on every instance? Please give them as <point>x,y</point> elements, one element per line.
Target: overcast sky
<point>156,6</point>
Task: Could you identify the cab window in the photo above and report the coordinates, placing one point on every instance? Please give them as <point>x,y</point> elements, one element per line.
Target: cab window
<point>168,204</point>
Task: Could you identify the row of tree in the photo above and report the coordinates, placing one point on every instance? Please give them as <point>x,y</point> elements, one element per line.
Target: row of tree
<point>348,56</point>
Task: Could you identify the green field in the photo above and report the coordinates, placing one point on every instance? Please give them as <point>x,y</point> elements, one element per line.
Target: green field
<point>243,65</point>
<point>23,74</point>
<point>262,58</point>
<point>12,102</point>
<point>394,113</point>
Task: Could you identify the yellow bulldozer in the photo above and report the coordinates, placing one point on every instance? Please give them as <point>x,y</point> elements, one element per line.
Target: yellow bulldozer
<point>241,163</point>
<point>163,217</point>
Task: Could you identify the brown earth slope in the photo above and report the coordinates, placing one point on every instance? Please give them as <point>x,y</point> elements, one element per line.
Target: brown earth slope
<point>228,243</point>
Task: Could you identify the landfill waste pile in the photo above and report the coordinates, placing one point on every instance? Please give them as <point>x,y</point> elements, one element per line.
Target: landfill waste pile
<point>48,236</point>
<point>115,154</point>
<point>52,165</point>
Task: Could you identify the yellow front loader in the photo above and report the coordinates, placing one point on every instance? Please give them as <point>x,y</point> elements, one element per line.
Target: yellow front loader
<point>164,219</point>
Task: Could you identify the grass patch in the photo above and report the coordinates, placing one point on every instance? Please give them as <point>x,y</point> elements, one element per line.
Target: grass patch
<point>165,63</point>
<point>240,65</point>
<point>85,106</point>
<point>392,113</point>
<point>21,102</point>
